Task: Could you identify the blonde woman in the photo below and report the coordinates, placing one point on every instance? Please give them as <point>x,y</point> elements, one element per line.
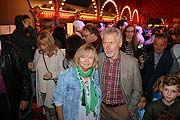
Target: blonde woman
<point>78,94</point>
<point>48,64</point>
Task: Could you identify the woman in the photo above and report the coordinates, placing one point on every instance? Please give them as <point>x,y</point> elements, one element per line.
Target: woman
<point>129,45</point>
<point>78,88</point>
<point>48,64</point>
<point>73,42</point>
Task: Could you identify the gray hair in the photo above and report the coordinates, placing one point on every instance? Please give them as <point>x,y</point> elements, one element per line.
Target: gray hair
<point>110,30</point>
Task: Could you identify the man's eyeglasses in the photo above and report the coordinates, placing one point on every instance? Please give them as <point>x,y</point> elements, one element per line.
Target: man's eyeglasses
<point>86,35</point>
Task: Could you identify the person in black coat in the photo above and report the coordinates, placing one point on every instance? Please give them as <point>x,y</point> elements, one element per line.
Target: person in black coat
<point>159,62</point>
<point>15,83</point>
<point>24,37</point>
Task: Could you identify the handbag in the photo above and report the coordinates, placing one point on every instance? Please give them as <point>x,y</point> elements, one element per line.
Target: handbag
<point>54,79</point>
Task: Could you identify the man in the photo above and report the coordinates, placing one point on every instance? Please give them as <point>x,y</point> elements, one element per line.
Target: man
<point>47,24</point>
<point>24,36</point>
<point>15,83</point>
<point>175,52</point>
<point>158,64</point>
<point>78,27</point>
<point>119,78</point>
<point>122,24</point>
<point>91,35</point>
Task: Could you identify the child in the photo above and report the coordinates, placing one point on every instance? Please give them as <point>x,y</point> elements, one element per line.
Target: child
<point>142,104</point>
<point>169,102</point>
<point>157,88</point>
<point>178,74</point>
<point>164,115</point>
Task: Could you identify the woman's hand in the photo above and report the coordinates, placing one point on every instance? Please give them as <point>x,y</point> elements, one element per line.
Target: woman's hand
<point>47,76</point>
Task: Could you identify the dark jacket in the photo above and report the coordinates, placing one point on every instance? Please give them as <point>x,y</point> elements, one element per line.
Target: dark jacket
<point>25,39</point>
<point>153,109</point>
<point>15,75</point>
<point>151,74</point>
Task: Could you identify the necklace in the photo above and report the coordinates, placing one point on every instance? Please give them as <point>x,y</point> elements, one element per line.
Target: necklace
<point>87,85</point>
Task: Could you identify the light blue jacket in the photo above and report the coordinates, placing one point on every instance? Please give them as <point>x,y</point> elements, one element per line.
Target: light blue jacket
<point>68,93</point>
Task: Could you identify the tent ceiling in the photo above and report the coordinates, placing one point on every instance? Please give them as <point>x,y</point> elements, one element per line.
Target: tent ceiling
<point>150,8</point>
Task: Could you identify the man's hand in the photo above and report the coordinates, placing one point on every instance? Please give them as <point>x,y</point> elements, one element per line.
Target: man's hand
<point>23,104</point>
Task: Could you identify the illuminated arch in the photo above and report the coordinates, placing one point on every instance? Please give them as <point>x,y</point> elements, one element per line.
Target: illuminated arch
<point>162,21</point>
<point>126,7</point>
<point>135,11</point>
<point>93,1</point>
<point>112,1</point>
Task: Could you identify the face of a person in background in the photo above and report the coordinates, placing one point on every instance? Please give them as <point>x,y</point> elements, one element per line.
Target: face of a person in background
<point>170,93</point>
<point>129,33</point>
<point>111,45</point>
<point>43,46</point>
<point>124,25</point>
<point>142,103</point>
<point>86,61</point>
<point>26,22</point>
<point>87,36</point>
<point>159,45</point>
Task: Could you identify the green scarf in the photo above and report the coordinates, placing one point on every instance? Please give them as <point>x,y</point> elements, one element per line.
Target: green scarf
<point>94,97</point>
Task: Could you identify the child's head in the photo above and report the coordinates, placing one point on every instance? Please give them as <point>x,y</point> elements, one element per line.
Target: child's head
<point>157,87</point>
<point>170,89</point>
<point>144,100</point>
<point>178,74</point>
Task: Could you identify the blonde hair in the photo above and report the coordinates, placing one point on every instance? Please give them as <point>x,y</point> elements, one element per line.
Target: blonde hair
<point>46,38</point>
<point>156,86</point>
<point>83,50</point>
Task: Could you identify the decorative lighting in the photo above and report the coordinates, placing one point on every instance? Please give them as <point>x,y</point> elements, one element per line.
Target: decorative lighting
<point>126,7</point>
<point>94,6</point>
<point>135,11</point>
<point>62,4</point>
<point>50,2</point>
<point>93,1</point>
<point>52,8</point>
<point>162,21</point>
<point>114,3</point>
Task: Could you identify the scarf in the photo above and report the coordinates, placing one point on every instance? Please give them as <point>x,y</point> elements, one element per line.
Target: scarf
<point>92,106</point>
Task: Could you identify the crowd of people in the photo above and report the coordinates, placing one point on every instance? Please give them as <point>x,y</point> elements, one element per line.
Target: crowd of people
<point>113,72</point>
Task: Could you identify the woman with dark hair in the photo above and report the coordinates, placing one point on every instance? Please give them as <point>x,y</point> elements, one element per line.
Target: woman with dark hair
<point>73,42</point>
<point>59,35</point>
<point>129,45</point>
